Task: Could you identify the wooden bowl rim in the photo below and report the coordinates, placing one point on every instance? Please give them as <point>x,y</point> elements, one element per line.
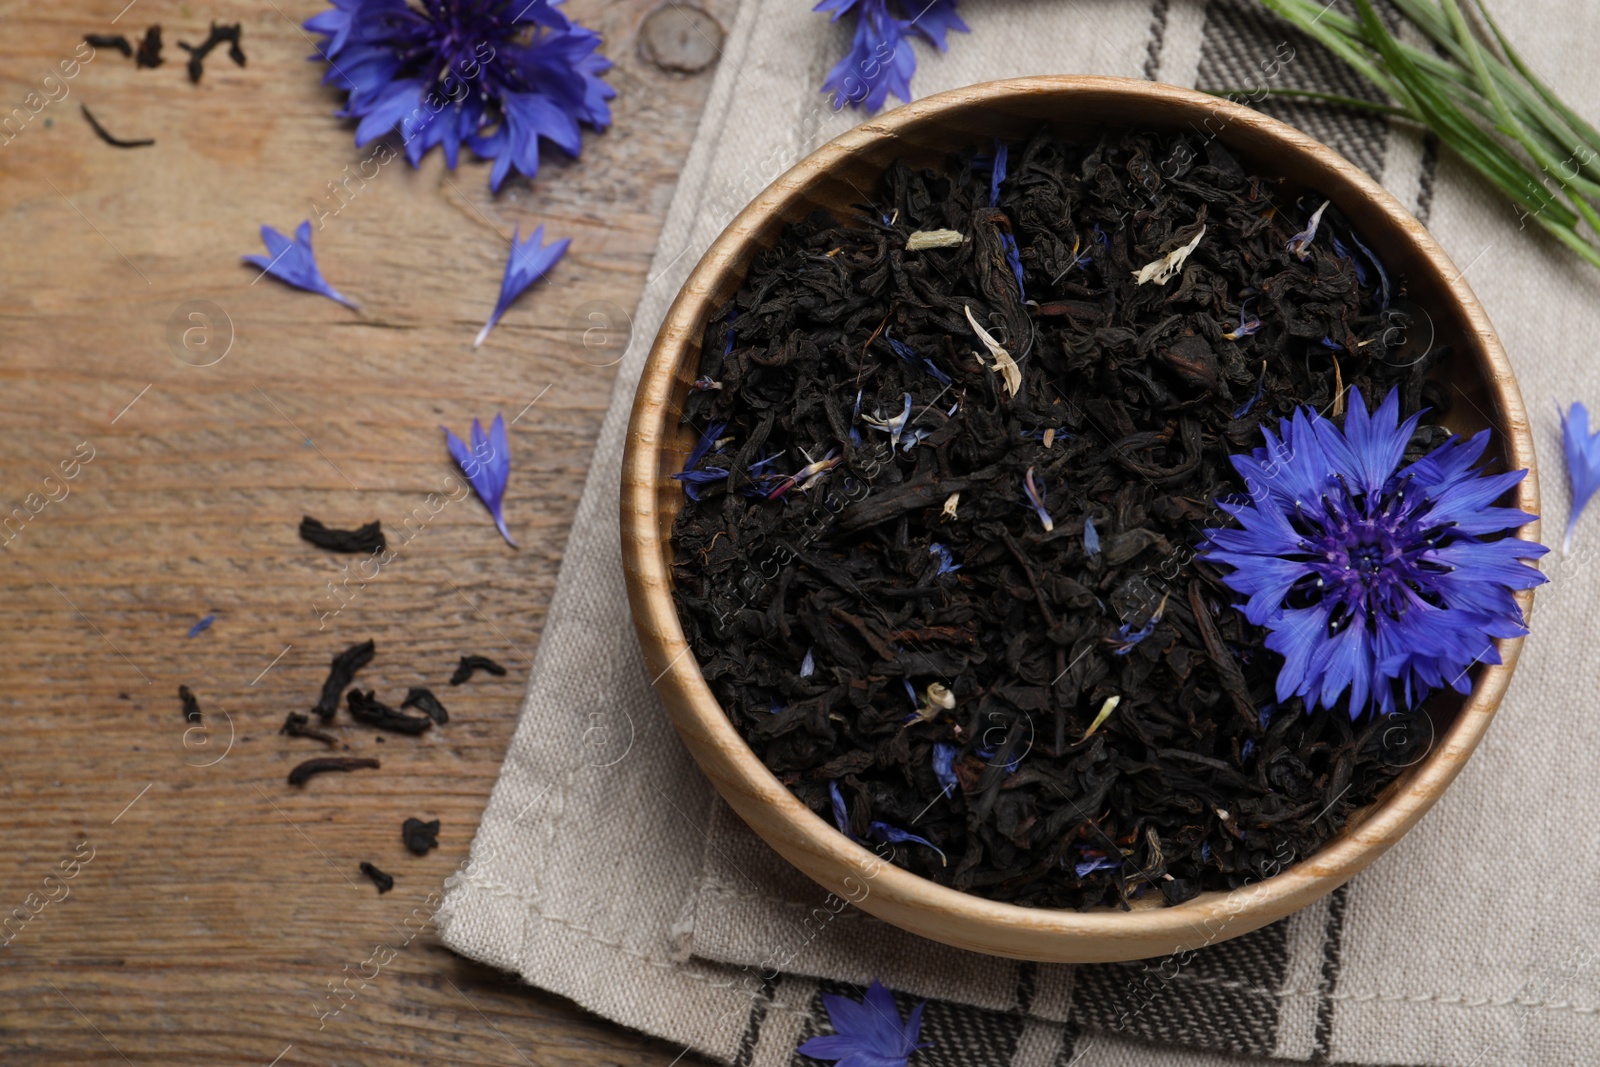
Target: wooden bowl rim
<point>725,757</point>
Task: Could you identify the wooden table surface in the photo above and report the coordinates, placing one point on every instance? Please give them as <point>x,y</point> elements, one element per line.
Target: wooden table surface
<point>211,905</point>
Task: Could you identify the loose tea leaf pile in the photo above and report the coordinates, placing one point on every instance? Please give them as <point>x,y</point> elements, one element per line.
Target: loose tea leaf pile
<point>939,548</point>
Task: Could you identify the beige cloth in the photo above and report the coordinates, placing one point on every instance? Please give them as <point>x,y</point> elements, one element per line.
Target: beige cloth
<point>606,871</point>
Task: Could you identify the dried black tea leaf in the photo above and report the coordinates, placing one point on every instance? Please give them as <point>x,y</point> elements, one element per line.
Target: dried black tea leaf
<point>104,135</point>
<point>937,559</point>
<point>420,837</point>
<point>149,53</point>
<point>109,40</point>
<point>384,882</point>
<point>471,664</point>
<point>218,35</point>
<point>365,708</point>
<point>341,672</point>
<point>364,539</point>
<point>303,773</point>
<point>298,724</point>
<point>424,701</point>
<point>191,706</point>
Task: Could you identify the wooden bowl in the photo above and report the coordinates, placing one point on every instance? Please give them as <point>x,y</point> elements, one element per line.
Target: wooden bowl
<point>834,177</point>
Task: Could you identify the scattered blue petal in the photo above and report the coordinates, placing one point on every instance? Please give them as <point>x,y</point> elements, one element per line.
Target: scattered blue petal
<point>1002,156</point>
<point>1035,494</point>
<point>1361,274</point>
<point>1261,383</point>
<point>294,262</point>
<point>867,1033</point>
<point>808,665</point>
<point>911,693</point>
<point>692,477</point>
<point>947,562</point>
<point>499,78</point>
<point>944,766</point>
<point>1091,537</point>
<point>1205,851</point>
<point>487,465</point>
<point>1264,716</point>
<point>1248,324</point>
<point>202,626</point>
<point>1248,747</point>
<point>894,427</point>
<point>882,831</point>
<point>841,816</point>
<point>529,261</point>
<point>1583,465</point>
<point>1300,243</point>
<point>1014,261</point>
<point>1096,863</point>
<point>907,353</point>
<point>1371,575</point>
<point>1129,636</point>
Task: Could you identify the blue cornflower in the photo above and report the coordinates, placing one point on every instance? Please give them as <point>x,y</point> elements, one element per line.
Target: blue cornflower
<point>487,465</point>
<point>294,262</point>
<point>529,261</point>
<point>499,76</point>
<point>1583,465</point>
<point>947,562</point>
<point>944,766</point>
<point>808,665</point>
<point>691,476</point>
<point>867,1033</point>
<point>880,60</point>
<point>1370,575</point>
<point>202,626</point>
<point>1091,537</point>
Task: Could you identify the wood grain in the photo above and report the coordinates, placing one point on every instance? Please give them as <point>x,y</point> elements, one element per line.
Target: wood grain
<point>927,131</point>
<point>220,902</point>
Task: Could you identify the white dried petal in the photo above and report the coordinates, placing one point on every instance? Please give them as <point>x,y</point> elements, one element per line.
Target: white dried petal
<point>1166,268</point>
<point>950,505</point>
<point>1010,373</point>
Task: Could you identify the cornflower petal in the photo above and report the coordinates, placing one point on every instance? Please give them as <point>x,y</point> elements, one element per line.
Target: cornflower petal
<point>529,261</point>
<point>487,466</point>
<point>293,262</point>
<point>1300,243</point>
<point>1035,495</point>
<point>1582,450</point>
